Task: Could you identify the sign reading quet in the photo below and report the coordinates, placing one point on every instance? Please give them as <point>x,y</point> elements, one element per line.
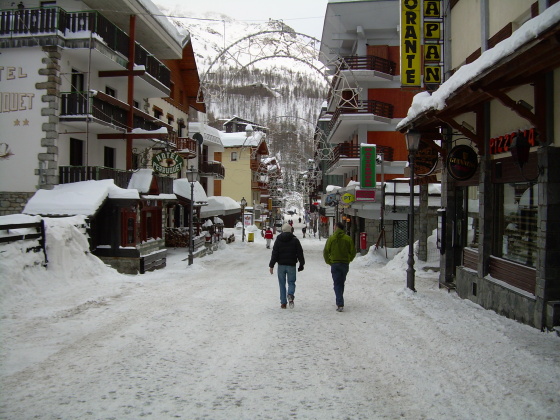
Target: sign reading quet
<point>167,163</point>
<point>462,162</point>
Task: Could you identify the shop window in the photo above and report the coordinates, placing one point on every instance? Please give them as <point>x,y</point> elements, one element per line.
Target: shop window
<point>472,217</point>
<point>516,238</point>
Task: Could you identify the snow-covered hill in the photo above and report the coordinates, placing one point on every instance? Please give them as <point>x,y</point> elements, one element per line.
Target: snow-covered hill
<point>262,72</point>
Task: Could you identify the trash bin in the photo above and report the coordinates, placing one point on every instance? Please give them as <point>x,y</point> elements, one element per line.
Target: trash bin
<point>251,237</point>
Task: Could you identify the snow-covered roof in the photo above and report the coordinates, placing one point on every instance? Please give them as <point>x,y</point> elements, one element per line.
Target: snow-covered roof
<point>530,30</point>
<point>182,187</point>
<point>241,139</point>
<point>220,205</point>
<point>141,180</point>
<point>78,198</point>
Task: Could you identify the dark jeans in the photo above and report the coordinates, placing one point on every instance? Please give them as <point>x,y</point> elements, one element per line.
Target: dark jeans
<point>339,272</point>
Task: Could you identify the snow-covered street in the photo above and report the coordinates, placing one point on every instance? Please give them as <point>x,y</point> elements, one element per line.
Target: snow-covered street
<point>210,341</point>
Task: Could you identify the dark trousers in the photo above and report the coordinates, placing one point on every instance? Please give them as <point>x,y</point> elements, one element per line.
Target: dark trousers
<point>339,272</point>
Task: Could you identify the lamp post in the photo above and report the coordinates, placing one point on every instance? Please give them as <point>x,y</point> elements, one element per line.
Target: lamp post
<point>192,176</point>
<point>337,201</point>
<point>243,204</point>
<point>412,144</point>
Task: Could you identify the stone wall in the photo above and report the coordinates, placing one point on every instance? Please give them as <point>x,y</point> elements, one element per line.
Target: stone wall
<point>497,296</point>
<point>13,202</point>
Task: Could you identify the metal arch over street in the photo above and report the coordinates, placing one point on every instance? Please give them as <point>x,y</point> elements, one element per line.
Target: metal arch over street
<point>282,43</point>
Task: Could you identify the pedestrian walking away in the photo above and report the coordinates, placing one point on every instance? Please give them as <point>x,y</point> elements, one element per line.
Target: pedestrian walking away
<point>287,252</point>
<point>304,229</point>
<point>339,252</point>
<point>268,235</point>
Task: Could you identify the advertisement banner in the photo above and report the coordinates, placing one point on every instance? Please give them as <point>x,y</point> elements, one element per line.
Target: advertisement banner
<point>368,155</point>
<point>411,32</point>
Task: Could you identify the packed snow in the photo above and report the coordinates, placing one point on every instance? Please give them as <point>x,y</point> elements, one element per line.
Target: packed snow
<point>80,340</point>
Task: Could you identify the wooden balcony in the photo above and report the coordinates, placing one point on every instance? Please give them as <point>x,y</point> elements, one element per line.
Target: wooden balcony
<point>186,147</point>
<point>56,22</point>
<point>214,169</point>
<point>70,174</point>
<point>259,185</point>
<point>369,62</point>
<point>381,109</point>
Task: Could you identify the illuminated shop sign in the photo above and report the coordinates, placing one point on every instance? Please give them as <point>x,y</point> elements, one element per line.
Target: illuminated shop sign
<point>502,144</point>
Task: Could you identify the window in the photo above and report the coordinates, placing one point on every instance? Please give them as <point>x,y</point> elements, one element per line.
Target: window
<point>76,152</point>
<point>110,91</point>
<point>233,156</point>
<point>158,113</point>
<point>109,157</point>
<point>136,104</point>
<point>516,238</point>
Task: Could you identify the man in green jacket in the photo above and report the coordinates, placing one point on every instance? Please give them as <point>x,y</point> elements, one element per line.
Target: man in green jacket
<point>339,252</point>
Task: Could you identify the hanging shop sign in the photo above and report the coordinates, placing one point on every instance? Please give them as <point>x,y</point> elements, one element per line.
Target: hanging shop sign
<point>462,162</point>
<point>347,198</point>
<point>167,163</point>
<point>425,160</point>
<point>433,39</point>
<point>368,156</point>
<point>410,43</point>
<point>365,195</point>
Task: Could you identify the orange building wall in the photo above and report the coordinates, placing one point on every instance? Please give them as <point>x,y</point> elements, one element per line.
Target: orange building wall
<point>390,53</point>
<point>392,139</point>
<point>400,99</point>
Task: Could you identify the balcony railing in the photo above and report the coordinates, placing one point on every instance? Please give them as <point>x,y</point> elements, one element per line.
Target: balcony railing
<point>186,146</point>
<point>369,62</point>
<point>350,151</point>
<point>57,21</point>
<point>70,174</point>
<point>214,169</point>
<point>92,104</point>
<point>378,108</point>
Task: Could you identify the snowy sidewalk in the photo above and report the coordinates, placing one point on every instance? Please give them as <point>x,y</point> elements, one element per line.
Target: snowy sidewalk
<point>210,341</point>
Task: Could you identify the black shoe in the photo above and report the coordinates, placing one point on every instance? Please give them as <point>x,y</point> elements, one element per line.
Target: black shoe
<point>340,309</point>
<point>283,306</point>
<point>291,300</point>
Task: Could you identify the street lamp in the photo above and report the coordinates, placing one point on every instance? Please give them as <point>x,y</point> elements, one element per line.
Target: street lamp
<point>243,204</point>
<point>412,144</point>
<point>337,201</point>
<point>192,177</point>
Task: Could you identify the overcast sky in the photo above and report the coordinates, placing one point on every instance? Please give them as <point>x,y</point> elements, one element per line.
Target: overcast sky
<point>305,16</point>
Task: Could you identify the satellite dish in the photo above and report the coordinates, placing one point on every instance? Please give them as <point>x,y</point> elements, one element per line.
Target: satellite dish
<point>198,137</point>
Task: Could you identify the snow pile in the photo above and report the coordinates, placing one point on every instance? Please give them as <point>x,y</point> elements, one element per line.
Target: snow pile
<point>70,264</point>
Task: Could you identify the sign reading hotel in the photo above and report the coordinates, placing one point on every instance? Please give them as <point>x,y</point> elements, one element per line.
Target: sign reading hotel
<point>368,154</point>
<point>167,163</point>
<point>411,43</point>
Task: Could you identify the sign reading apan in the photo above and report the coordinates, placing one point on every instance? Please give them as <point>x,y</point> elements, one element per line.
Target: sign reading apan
<point>410,43</point>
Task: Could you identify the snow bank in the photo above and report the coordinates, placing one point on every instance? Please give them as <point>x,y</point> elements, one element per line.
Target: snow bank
<point>69,263</point>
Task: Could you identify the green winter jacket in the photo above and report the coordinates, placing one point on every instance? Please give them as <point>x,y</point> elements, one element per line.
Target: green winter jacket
<point>339,248</point>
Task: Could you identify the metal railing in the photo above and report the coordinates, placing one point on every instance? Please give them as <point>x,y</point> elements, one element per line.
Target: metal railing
<point>369,62</point>
<point>56,21</point>
<point>378,108</point>
<point>350,151</point>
